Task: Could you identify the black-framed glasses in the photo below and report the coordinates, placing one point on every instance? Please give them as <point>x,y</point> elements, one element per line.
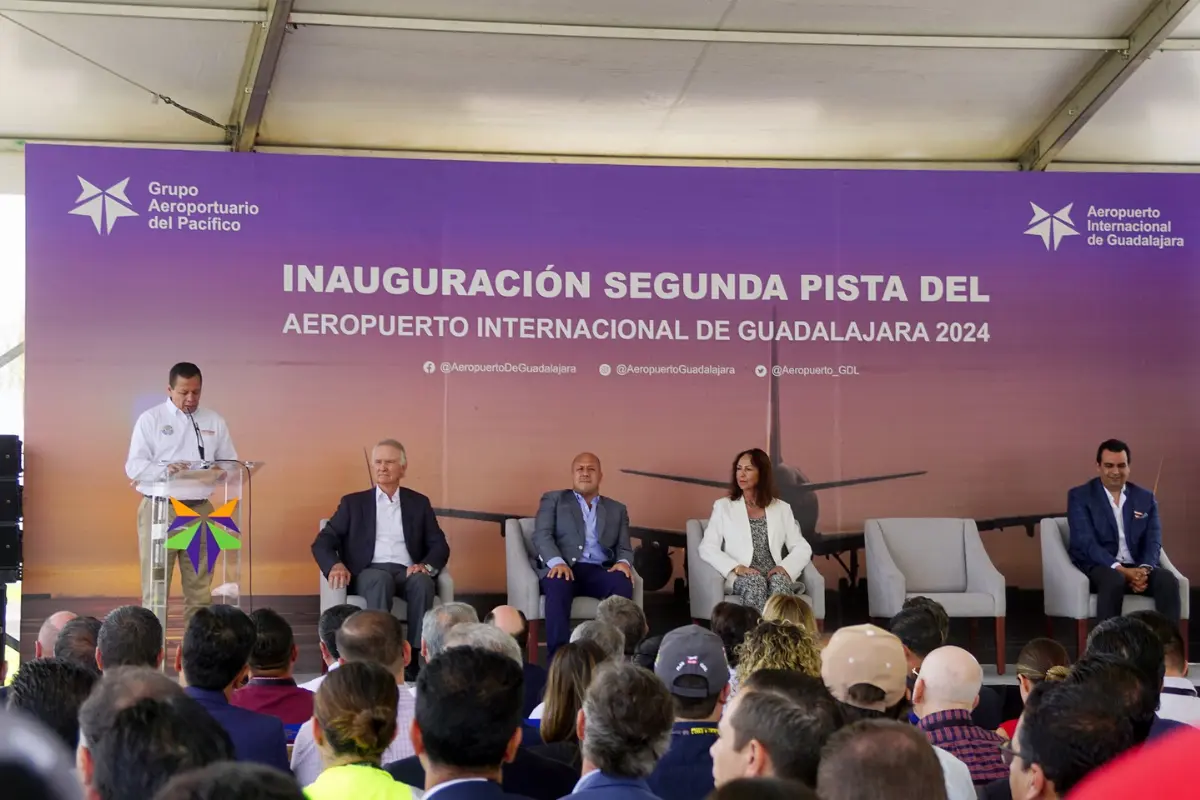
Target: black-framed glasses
<point>1007,753</point>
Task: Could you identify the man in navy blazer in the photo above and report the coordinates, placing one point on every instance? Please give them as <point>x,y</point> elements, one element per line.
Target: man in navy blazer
<point>215,657</point>
<point>582,545</point>
<point>1116,537</point>
<point>385,542</point>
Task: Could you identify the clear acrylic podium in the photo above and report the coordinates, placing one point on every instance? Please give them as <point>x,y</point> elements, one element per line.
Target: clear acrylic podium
<point>211,534</point>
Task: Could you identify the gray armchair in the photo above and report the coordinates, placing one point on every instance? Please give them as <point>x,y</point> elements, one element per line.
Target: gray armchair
<point>1067,593</point>
<point>335,597</point>
<point>942,559</point>
<point>525,590</point>
<point>706,586</point>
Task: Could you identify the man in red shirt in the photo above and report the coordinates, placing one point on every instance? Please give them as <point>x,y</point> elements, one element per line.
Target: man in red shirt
<point>272,689</point>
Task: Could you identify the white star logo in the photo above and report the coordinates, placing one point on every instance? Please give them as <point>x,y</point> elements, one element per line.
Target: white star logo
<point>110,204</point>
<point>1056,226</point>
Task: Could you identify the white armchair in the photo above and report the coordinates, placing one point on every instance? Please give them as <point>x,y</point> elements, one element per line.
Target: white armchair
<point>525,589</point>
<point>942,559</point>
<point>706,586</point>
<point>1066,589</point>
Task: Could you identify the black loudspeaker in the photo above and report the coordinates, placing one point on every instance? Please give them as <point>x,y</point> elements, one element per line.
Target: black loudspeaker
<point>10,546</point>
<point>10,456</point>
<point>10,501</point>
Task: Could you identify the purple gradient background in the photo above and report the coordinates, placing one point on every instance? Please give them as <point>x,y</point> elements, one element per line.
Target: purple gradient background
<point>1085,343</point>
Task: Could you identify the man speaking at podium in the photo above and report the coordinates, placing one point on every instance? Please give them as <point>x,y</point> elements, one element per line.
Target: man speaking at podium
<point>177,431</point>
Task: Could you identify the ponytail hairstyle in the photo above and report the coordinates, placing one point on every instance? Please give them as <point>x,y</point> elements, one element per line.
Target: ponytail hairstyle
<point>356,708</point>
<point>1043,660</point>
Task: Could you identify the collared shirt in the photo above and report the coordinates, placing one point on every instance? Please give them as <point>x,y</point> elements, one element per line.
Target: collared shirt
<point>593,552</point>
<point>280,698</point>
<point>389,531</point>
<point>306,758</point>
<point>440,786</point>
<point>1118,509</point>
<point>584,780</point>
<point>1179,701</point>
<point>955,732</point>
<point>166,434</point>
<point>316,682</point>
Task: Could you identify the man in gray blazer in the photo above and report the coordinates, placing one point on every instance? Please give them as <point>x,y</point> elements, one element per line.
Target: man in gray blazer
<point>582,544</point>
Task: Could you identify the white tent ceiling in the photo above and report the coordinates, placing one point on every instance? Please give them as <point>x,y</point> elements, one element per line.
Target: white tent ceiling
<point>1005,84</point>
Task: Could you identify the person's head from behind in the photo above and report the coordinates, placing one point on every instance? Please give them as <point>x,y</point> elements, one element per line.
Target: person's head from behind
<point>626,721</point>
<point>130,636</point>
<point>438,621</point>
<point>1041,660</point>
<point>216,648</point>
<point>882,760</point>
<point>1174,660</point>
<point>232,780</point>
<point>608,636</point>
<point>118,689</point>
<point>753,478</point>
<point>76,642</point>
<point>184,383</point>
<point>327,627</point>
<point>775,726</point>
<point>732,621</point>
<point>647,652</point>
<point>34,764</point>
<point>938,611</point>
<point>864,669</point>
<point>53,690</point>
<point>1126,687</point>
<point>950,680</point>
<point>918,629</point>
<point>43,646</point>
<point>354,713</point>
<point>762,789</point>
<point>275,650</point>
<point>374,636</point>
<point>691,664</point>
<point>512,621</point>
<point>468,716</point>
<point>150,742</point>
<point>627,617</point>
<point>1132,640</point>
<point>485,637</point>
<point>791,608</point>
<point>1066,731</point>
<point>778,645</point>
<point>567,683</point>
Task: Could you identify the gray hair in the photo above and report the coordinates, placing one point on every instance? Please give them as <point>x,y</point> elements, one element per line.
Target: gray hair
<point>484,637</point>
<point>395,444</point>
<point>118,689</point>
<point>627,617</point>
<point>439,620</point>
<point>608,636</point>
<point>628,716</point>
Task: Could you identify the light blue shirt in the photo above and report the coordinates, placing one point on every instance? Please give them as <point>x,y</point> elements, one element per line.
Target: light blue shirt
<point>593,553</point>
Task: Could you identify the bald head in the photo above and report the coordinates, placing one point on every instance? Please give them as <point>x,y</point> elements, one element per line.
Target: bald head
<point>507,619</point>
<point>374,636</point>
<point>586,475</point>
<point>48,633</point>
<point>950,679</point>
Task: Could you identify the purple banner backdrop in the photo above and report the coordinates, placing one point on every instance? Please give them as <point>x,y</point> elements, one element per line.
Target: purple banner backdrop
<point>988,329</point>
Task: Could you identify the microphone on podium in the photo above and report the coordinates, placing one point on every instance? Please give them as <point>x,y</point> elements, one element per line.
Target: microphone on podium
<point>199,438</point>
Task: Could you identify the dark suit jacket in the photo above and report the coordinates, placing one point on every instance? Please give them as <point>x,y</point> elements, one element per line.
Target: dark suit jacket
<point>1094,539</point>
<point>559,531</point>
<point>256,737</point>
<point>349,536</point>
<point>608,787</point>
<point>529,775</point>
<point>477,790</point>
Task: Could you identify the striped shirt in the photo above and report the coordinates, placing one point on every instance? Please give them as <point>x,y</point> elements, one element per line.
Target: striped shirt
<point>957,734</point>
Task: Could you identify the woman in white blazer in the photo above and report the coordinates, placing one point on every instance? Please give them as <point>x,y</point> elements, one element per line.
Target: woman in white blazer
<point>747,532</point>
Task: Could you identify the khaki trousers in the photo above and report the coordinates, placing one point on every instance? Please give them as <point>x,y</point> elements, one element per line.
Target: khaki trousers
<point>197,590</point>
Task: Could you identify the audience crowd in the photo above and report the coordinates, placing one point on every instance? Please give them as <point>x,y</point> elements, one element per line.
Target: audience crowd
<point>752,707</point>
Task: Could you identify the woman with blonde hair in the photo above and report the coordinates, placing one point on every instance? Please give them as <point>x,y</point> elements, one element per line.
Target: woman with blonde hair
<point>1040,660</point>
<point>791,608</point>
<point>779,645</point>
<point>354,721</point>
<point>566,685</point>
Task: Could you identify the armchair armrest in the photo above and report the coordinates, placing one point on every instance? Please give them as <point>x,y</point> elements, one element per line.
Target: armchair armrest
<point>1185,586</point>
<point>814,587</point>
<point>982,575</point>
<point>706,586</point>
<point>524,591</point>
<point>1065,587</point>
<point>445,586</point>
<point>330,597</point>
<point>886,585</point>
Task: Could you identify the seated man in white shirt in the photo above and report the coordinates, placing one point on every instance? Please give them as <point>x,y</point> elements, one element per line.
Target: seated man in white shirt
<point>1179,700</point>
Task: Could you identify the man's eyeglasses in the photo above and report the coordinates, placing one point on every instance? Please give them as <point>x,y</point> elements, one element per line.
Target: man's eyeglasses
<point>1007,753</point>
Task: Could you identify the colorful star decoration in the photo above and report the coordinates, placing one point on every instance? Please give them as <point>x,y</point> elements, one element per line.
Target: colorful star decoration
<point>217,527</point>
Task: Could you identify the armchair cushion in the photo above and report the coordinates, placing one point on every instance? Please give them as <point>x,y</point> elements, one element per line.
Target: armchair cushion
<point>335,597</point>
<point>706,586</point>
